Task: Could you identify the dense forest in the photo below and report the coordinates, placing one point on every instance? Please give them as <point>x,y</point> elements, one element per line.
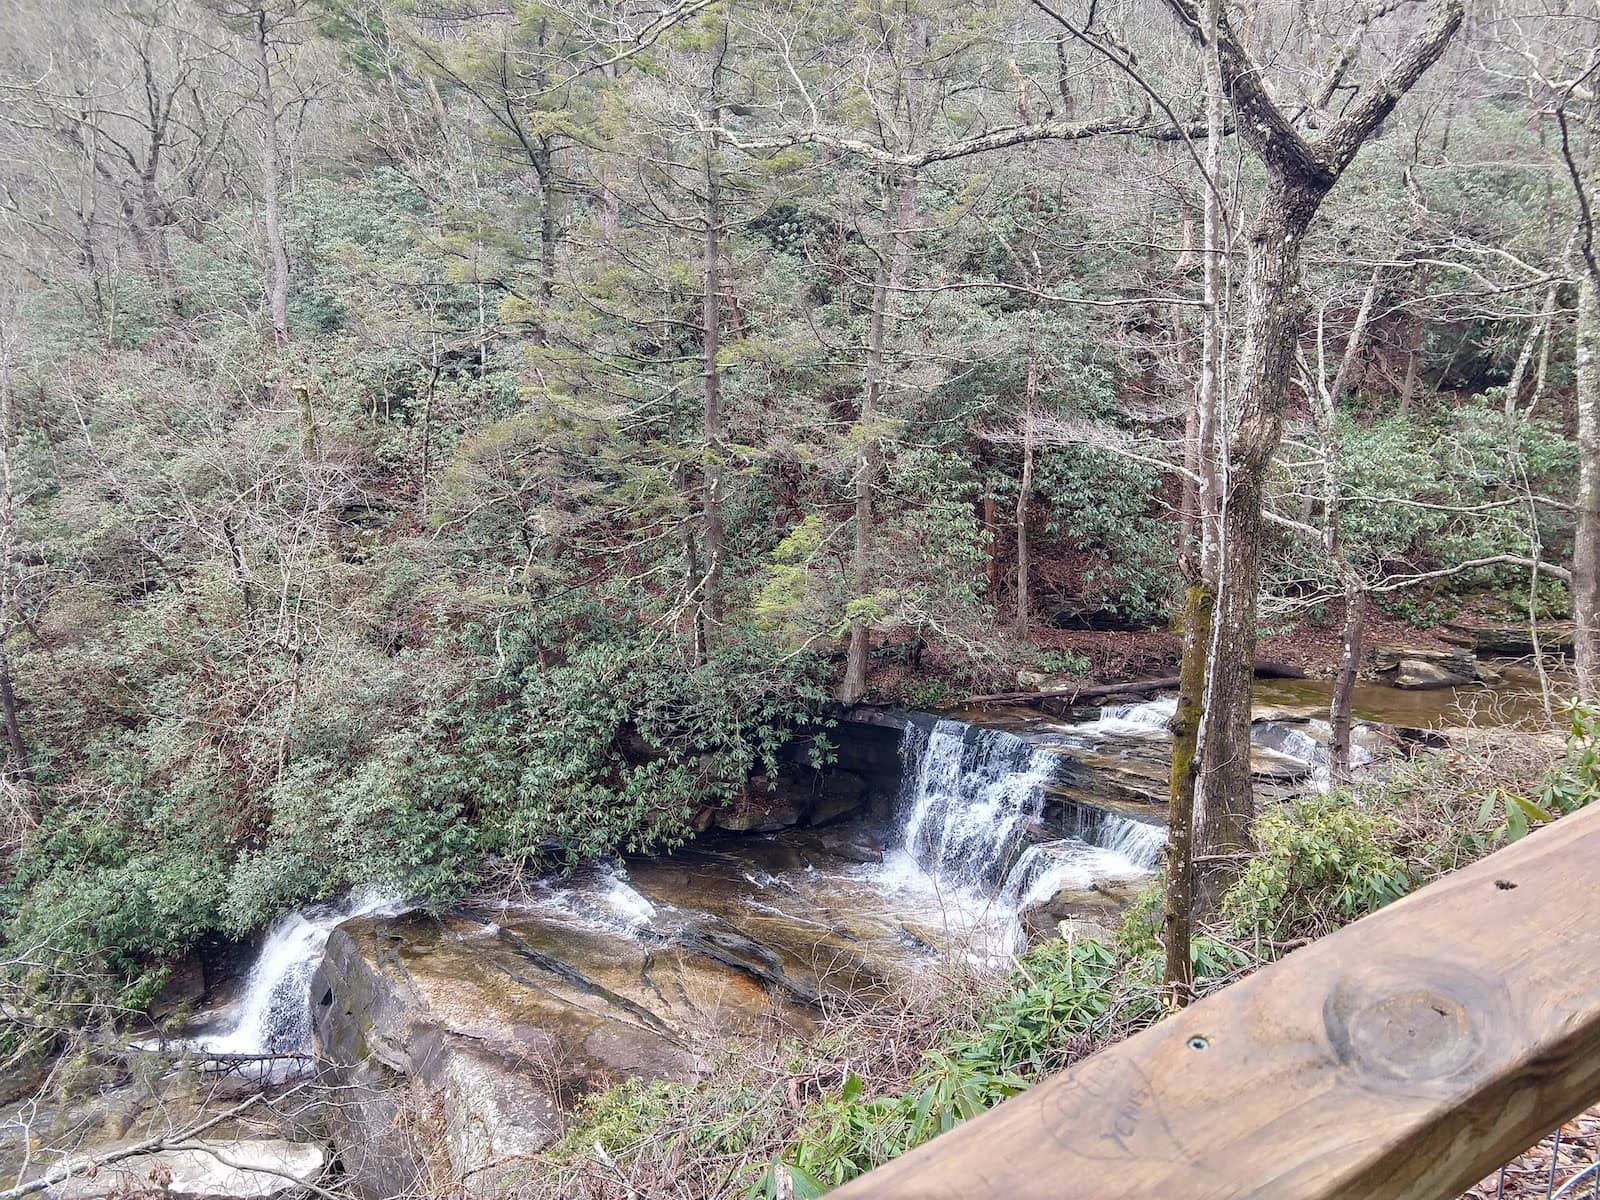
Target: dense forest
<point>443,444</point>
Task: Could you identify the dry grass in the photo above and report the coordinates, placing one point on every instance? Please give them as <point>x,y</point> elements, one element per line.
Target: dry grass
<point>707,1142</point>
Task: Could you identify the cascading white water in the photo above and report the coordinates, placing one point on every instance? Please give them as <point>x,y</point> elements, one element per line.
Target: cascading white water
<point>1308,744</point>
<point>1046,868</point>
<point>969,797</point>
<point>274,1013</point>
<point>1148,718</point>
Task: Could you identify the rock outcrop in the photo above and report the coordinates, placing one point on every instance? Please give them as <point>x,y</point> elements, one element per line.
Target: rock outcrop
<point>1419,668</point>
<point>458,1039</point>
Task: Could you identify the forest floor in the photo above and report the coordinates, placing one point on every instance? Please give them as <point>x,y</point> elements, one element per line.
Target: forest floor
<point>1311,646</point>
<point>1549,1167</point>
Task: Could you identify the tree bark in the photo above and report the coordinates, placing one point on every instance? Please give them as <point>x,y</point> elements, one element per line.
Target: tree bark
<point>1274,316</point>
<point>10,567</point>
<point>1586,541</point>
<point>712,534</point>
<point>1200,608</point>
<point>1341,707</point>
<point>1178,899</point>
<point>1024,491</point>
<point>272,216</point>
<point>894,256</point>
<point>1299,173</point>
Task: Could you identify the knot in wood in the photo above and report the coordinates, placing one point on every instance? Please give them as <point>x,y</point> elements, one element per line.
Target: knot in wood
<point>1415,1026</point>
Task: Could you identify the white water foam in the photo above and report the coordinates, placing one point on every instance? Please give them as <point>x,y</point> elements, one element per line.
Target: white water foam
<point>969,799</point>
<point>1147,719</point>
<point>274,1013</point>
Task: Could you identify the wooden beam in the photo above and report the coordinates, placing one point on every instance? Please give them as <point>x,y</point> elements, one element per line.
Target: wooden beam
<point>1404,1057</point>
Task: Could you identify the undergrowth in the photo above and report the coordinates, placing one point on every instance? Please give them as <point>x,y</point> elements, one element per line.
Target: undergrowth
<point>806,1117</point>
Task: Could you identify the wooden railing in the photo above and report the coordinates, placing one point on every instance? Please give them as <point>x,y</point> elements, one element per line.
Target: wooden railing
<point>1404,1057</point>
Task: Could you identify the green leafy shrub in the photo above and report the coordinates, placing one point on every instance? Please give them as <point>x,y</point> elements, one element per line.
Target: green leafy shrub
<point>1321,861</point>
<point>1061,994</point>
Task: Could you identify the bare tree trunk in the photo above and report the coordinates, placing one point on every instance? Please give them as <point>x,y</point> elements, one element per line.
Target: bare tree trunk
<point>712,535</point>
<point>272,216</point>
<point>1200,604</point>
<point>10,567</point>
<point>1340,709</point>
<point>894,255</point>
<point>1274,315</point>
<point>1024,493</point>
<point>545,173</point>
<point>1586,541</point>
<point>1355,598</point>
<point>1300,174</point>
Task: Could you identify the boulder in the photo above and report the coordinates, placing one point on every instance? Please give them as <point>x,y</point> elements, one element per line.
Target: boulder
<point>1418,668</point>
<point>1100,904</point>
<point>1455,659</point>
<point>839,794</point>
<point>761,811</point>
<point>225,1169</point>
<point>411,1065</point>
<point>1416,674</point>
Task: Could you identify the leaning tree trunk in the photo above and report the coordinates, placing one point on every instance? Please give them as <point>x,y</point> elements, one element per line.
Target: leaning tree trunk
<point>1586,541</point>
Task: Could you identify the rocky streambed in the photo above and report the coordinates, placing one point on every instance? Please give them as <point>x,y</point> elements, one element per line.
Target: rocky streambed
<point>451,1043</point>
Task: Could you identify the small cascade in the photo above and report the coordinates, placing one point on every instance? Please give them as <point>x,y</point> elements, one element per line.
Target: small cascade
<point>1148,718</point>
<point>969,795</point>
<point>274,1013</point>
<point>1308,743</point>
<point>1139,843</point>
<point>1047,868</point>
<point>969,800</point>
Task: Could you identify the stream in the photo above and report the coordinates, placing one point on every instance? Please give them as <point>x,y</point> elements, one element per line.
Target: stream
<point>979,833</point>
<point>989,821</point>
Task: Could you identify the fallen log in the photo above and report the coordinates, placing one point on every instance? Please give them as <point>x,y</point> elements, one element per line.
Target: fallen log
<point>1093,692</point>
<point>1264,669</point>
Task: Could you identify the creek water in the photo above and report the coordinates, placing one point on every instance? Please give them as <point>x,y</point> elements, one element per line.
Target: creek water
<point>990,821</point>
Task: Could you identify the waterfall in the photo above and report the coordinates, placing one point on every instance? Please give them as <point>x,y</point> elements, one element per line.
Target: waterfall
<point>274,1012</point>
<point>1149,718</point>
<point>969,794</point>
<point>1138,842</point>
<point>970,797</point>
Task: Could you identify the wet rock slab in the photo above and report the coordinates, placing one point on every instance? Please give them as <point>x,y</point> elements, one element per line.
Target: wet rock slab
<point>490,1023</point>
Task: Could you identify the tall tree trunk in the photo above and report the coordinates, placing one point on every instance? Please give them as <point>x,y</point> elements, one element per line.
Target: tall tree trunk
<point>1200,604</point>
<point>272,216</point>
<point>712,535</point>
<point>544,171</point>
<point>17,767</point>
<point>894,254</point>
<point>1024,494</point>
<point>1299,175</point>
<point>1586,541</point>
<point>1274,315</point>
